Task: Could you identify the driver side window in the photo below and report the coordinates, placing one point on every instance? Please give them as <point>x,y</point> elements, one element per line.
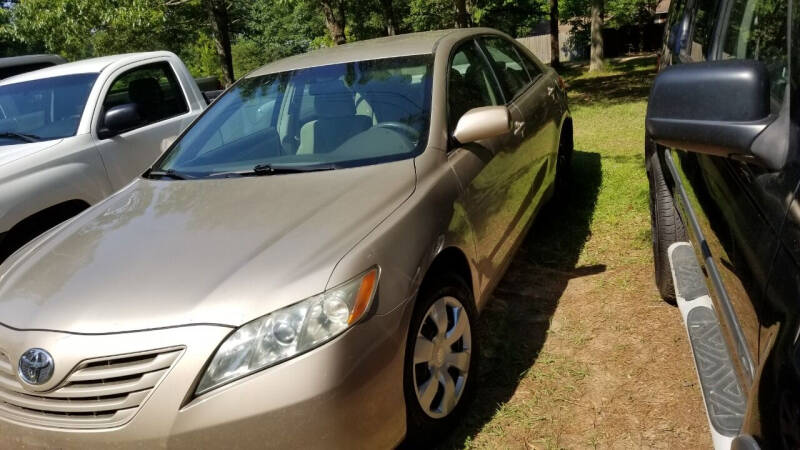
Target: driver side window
<point>153,88</point>
<point>470,83</point>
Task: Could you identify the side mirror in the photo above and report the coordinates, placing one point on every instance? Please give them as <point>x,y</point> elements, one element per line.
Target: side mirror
<point>482,123</point>
<point>717,107</point>
<point>120,119</point>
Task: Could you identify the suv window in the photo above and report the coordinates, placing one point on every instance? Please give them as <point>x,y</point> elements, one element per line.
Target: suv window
<point>153,88</point>
<point>507,65</point>
<point>470,83</point>
<point>757,30</point>
<point>705,15</point>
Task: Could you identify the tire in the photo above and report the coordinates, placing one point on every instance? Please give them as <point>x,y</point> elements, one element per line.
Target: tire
<point>665,223</point>
<point>438,418</point>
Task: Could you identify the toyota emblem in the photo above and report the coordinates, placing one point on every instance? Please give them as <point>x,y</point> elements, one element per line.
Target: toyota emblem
<point>36,366</point>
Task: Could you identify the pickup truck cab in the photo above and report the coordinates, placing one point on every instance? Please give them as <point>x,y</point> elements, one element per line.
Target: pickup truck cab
<point>72,134</point>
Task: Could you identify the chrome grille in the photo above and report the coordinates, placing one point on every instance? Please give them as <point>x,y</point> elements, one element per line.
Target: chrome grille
<point>98,393</point>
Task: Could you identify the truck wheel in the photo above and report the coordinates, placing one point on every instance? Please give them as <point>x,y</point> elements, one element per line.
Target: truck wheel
<point>666,225</point>
<point>441,364</point>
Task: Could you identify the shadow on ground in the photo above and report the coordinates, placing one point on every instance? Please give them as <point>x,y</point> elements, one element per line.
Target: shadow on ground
<point>515,322</point>
<point>629,81</point>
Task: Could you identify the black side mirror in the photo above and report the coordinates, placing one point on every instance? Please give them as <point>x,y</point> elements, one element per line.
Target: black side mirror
<point>717,107</point>
<point>120,119</point>
<point>210,96</point>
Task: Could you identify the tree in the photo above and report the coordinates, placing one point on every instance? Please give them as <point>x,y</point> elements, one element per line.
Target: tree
<point>389,17</point>
<point>335,19</point>
<point>596,51</point>
<point>219,21</point>
<point>462,16</point>
<point>555,60</point>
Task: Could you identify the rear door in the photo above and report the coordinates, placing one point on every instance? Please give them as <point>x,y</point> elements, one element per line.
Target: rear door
<point>162,103</point>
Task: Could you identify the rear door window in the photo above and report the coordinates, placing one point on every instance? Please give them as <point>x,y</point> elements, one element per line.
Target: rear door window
<point>703,21</point>
<point>757,30</point>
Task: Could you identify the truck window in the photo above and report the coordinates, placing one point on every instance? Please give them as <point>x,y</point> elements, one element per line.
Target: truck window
<point>757,30</point>
<point>153,88</point>
<point>705,15</point>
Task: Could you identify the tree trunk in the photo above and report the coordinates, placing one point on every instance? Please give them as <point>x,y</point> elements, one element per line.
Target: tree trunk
<point>334,19</point>
<point>218,19</point>
<point>596,56</point>
<point>462,16</point>
<point>555,52</point>
<point>388,17</point>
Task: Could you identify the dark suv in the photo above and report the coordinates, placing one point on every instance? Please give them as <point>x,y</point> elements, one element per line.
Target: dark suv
<point>723,163</point>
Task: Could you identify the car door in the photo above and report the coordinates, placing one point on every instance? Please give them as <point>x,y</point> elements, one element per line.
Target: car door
<point>491,171</point>
<point>154,88</point>
<point>740,203</point>
<point>532,97</point>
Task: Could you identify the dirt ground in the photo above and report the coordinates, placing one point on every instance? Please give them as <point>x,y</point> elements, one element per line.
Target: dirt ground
<point>578,349</point>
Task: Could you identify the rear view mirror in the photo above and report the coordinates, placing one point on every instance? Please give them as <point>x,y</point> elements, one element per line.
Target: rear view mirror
<point>717,107</point>
<point>120,119</point>
<point>482,123</point>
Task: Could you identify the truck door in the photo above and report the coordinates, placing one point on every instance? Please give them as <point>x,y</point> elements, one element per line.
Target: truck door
<point>155,90</point>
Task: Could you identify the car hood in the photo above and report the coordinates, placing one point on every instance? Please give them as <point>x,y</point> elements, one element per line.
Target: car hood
<point>220,251</point>
<point>11,153</point>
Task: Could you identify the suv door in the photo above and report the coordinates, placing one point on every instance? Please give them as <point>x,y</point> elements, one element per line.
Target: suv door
<point>164,109</point>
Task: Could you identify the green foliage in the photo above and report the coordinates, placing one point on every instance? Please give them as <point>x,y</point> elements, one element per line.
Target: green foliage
<point>83,28</point>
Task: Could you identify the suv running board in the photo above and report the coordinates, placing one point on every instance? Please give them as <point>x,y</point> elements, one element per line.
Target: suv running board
<point>723,397</point>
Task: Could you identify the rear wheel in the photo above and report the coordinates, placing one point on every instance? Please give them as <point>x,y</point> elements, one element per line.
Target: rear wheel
<point>666,225</point>
<point>566,147</point>
<point>441,358</point>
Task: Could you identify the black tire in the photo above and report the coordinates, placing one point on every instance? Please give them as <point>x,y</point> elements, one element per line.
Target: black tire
<point>665,222</point>
<point>566,147</point>
<point>423,430</point>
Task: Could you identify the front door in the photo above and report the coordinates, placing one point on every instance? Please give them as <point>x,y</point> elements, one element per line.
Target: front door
<point>162,105</point>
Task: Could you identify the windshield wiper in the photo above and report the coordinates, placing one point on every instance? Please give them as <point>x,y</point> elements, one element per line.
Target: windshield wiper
<point>20,136</point>
<point>274,169</point>
<point>169,173</point>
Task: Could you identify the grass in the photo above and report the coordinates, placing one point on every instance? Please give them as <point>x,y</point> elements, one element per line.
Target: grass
<point>558,358</point>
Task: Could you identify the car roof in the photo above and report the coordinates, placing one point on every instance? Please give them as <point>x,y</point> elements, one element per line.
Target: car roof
<point>13,61</point>
<point>385,47</point>
<point>91,65</point>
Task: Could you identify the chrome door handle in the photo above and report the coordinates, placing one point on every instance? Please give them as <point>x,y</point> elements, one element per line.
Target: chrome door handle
<point>519,127</point>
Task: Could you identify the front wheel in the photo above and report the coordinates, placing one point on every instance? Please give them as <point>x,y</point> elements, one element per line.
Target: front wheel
<point>441,358</point>
<point>666,225</point>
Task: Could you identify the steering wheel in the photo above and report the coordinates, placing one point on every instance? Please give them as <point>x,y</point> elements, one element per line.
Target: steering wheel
<point>402,128</point>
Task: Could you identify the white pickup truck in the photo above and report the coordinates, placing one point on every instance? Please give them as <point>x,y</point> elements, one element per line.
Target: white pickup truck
<point>72,134</point>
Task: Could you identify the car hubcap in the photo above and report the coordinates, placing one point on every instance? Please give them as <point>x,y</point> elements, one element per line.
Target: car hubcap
<point>442,354</point>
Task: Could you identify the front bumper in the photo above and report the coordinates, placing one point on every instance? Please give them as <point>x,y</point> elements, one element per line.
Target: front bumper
<point>347,393</point>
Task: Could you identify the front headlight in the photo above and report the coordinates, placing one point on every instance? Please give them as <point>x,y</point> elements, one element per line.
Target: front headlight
<point>290,331</point>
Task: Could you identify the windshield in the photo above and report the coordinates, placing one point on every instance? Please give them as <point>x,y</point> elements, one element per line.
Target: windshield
<point>39,110</point>
<point>341,115</point>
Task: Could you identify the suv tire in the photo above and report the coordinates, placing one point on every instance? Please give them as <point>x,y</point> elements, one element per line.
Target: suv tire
<point>666,225</point>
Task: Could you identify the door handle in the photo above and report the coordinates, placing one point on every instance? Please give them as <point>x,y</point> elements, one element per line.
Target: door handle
<point>519,128</point>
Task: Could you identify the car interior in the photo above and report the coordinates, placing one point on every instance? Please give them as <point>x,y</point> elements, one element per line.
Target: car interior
<point>333,114</point>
